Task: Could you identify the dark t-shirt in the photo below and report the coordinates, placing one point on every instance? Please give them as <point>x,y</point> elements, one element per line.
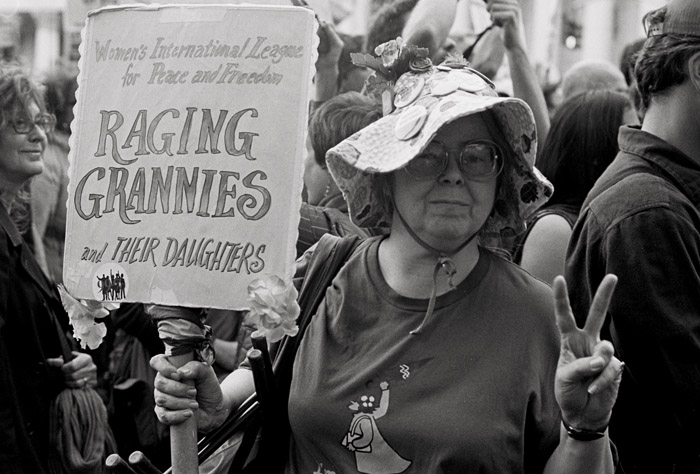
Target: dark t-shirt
<point>473,392</point>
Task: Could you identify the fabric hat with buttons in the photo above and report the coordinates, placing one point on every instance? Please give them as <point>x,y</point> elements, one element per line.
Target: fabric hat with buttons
<point>417,104</point>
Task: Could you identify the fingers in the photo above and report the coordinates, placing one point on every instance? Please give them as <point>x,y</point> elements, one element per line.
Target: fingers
<point>562,308</point>
<point>605,350</point>
<point>162,365</point>
<point>80,361</point>
<point>174,392</point>
<point>82,382</point>
<point>175,401</point>
<point>504,12</point>
<point>80,372</point>
<point>600,304</point>
<point>609,379</point>
<point>504,18</point>
<point>330,44</point>
<point>172,410</point>
<point>583,368</point>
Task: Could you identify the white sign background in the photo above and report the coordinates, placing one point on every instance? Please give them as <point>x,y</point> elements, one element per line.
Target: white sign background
<point>187,151</point>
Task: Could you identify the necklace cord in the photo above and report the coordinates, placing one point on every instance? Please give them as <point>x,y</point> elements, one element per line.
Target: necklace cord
<point>444,263</point>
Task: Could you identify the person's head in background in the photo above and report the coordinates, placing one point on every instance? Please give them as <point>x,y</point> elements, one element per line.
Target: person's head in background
<point>387,24</point>
<point>627,61</point>
<point>24,125</point>
<point>350,77</point>
<point>333,122</point>
<point>668,60</point>
<point>588,75</point>
<point>582,142</point>
<point>60,86</point>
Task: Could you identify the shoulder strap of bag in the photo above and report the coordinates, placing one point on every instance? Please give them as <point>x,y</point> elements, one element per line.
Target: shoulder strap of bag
<point>328,258</point>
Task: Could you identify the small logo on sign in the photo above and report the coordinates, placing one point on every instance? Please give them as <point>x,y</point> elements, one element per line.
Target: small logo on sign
<point>110,283</point>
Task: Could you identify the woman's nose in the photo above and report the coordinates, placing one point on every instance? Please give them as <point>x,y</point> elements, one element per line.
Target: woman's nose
<point>37,134</point>
<point>452,174</point>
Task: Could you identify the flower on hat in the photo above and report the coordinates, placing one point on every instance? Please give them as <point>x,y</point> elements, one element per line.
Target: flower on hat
<point>273,307</point>
<point>394,58</point>
<point>420,64</point>
<point>389,51</point>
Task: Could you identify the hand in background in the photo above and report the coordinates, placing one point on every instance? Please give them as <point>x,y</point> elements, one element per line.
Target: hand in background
<point>80,372</point>
<point>507,14</point>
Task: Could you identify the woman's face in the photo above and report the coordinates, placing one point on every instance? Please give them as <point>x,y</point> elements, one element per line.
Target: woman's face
<point>21,153</point>
<point>446,210</point>
<point>316,179</point>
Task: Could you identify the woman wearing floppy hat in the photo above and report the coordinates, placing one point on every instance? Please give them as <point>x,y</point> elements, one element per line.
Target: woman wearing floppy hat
<point>430,353</point>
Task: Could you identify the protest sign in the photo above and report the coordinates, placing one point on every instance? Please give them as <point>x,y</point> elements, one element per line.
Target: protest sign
<point>187,151</point>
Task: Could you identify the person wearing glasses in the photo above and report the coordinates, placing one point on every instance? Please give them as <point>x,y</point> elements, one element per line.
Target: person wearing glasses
<point>32,319</point>
<point>641,221</point>
<point>430,352</point>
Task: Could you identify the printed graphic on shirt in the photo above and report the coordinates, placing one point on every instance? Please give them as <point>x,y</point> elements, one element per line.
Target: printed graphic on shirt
<point>408,369</point>
<point>373,455</point>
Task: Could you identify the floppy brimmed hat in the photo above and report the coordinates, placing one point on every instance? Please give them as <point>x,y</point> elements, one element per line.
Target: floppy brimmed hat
<point>424,102</point>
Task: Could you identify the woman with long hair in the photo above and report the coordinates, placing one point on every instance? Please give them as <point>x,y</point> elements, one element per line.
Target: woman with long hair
<point>581,143</point>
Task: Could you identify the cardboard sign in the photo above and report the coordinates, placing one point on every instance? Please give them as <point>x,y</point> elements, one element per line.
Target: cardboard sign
<point>187,152</point>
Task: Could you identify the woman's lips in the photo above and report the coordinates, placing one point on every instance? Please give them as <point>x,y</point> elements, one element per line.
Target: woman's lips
<point>450,202</point>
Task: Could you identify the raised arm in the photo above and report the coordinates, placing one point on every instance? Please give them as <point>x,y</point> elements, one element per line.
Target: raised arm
<point>329,51</point>
<point>507,14</point>
<point>586,385</point>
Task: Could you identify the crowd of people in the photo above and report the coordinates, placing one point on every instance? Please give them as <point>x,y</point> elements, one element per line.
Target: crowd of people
<point>525,297</point>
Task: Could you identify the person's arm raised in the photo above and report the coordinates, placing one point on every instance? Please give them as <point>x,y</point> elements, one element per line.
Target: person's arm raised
<point>586,385</point>
<point>329,50</point>
<point>507,14</point>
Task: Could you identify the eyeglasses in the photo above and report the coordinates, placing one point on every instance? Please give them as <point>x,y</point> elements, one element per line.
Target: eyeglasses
<point>46,122</point>
<point>478,160</point>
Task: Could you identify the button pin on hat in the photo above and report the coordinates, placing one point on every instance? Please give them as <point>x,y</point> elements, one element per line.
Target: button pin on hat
<point>408,88</point>
<point>410,122</point>
<point>469,82</point>
<point>444,87</point>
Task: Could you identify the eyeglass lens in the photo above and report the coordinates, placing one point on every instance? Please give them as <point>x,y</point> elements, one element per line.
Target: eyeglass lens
<point>46,122</point>
<point>476,160</point>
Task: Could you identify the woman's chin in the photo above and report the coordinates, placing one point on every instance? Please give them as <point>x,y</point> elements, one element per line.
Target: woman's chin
<point>37,168</point>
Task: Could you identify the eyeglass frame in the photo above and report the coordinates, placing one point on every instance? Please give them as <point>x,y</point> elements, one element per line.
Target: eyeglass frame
<point>36,123</point>
<point>497,168</point>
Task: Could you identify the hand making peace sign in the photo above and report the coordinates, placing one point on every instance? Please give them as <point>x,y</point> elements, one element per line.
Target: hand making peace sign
<point>588,375</point>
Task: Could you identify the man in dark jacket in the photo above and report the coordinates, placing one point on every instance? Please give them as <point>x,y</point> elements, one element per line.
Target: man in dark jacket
<point>641,221</point>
